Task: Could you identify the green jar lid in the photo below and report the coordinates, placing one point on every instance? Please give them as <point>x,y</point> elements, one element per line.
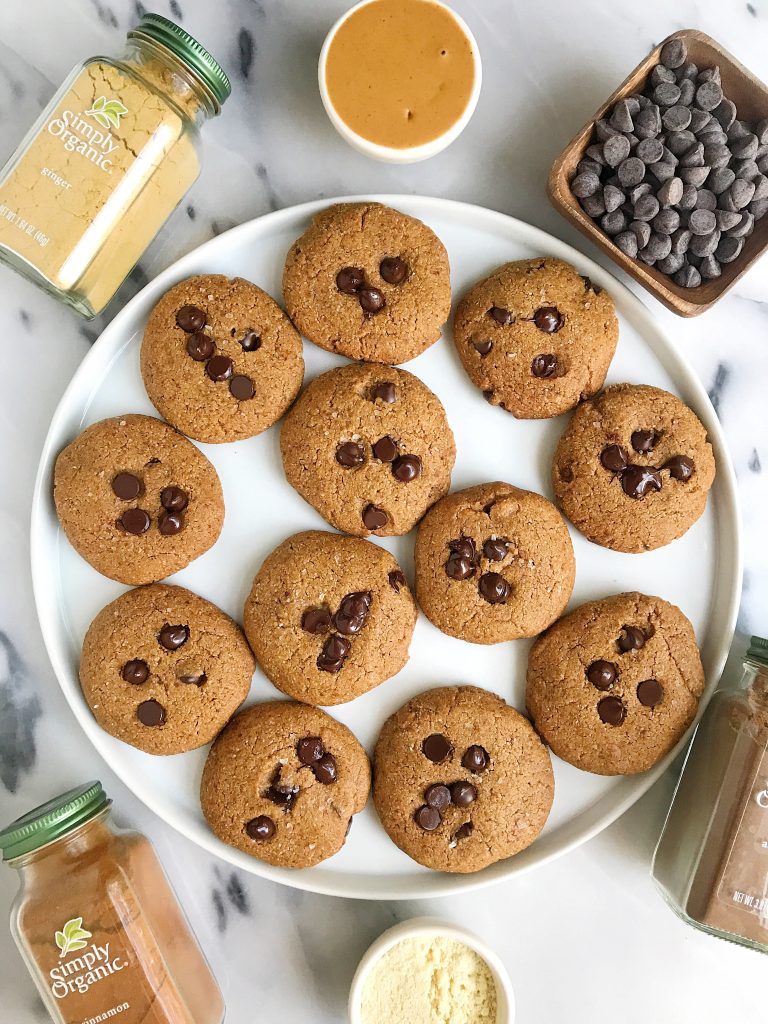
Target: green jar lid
<point>187,49</point>
<point>758,649</point>
<point>52,820</point>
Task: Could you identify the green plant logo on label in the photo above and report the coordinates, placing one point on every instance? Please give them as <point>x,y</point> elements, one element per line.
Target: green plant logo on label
<point>72,937</point>
<point>106,112</point>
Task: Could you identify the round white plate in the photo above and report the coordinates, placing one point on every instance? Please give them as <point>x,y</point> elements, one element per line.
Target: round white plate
<point>701,572</point>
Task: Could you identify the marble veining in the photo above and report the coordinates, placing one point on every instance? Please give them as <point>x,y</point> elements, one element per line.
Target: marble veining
<point>281,954</point>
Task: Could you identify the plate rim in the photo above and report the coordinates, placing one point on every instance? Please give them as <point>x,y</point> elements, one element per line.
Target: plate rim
<point>657,338</point>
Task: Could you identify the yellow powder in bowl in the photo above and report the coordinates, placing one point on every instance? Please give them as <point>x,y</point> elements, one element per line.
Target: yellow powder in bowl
<point>429,981</point>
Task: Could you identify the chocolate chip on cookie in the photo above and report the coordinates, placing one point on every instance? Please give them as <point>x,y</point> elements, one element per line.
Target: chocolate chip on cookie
<point>380,461</point>
<point>286,801</point>
<point>614,685</point>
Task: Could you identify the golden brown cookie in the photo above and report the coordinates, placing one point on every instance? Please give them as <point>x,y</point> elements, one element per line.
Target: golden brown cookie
<point>493,563</point>
<point>282,782</point>
<point>368,282</point>
<point>329,617</point>
<point>369,447</point>
<point>536,337</point>
<point>220,360</point>
<point>136,499</point>
<point>614,685</point>
<point>461,780</point>
<point>164,669</point>
<point>633,468</point>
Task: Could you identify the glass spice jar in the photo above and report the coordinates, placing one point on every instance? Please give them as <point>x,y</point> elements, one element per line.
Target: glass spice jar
<point>106,163</point>
<point>711,862</point>
<point>97,922</point>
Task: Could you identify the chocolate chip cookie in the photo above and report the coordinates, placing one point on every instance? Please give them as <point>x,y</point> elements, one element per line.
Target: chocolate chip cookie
<point>461,780</point>
<point>329,617</point>
<point>614,685</point>
<point>220,360</point>
<point>369,447</point>
<point>164,669</point>
<point>493,563</point>
<point>633,468</point>
<point>368,282</point>
<point>282,782</point>
<point>136,499</point>
<point>536,337</point>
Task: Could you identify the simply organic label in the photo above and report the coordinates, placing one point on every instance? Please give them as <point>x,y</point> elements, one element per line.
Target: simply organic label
<point>77,973</point>
<point>83,137</point>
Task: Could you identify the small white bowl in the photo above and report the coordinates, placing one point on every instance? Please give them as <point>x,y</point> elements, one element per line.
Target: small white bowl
<point>427,927</point>
<point>392,154</point>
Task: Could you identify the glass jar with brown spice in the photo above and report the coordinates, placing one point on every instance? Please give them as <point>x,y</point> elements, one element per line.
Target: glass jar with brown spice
<point>97,922</point>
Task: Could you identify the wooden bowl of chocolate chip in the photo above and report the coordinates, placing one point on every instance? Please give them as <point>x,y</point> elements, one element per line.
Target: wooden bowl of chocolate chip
<point>670,177</point>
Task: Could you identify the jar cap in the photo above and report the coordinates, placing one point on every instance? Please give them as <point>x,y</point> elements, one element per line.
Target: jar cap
<point>189,51</point>
<point>758,649</point>
<point>52,820</point>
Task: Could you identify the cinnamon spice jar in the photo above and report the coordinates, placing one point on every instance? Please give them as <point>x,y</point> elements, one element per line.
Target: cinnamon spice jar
<point>711,862</point>
<point>97,922</point>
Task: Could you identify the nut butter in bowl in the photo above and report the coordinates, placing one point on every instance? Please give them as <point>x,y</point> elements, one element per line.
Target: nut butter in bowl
<point>400,79</point>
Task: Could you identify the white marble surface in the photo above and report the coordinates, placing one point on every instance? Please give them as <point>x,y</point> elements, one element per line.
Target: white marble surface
<point>586,939</point>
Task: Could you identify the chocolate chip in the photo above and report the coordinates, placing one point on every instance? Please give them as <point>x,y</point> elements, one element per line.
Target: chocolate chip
<point>495,550</point>
<point>219,368</point>
<point>200,347</point>
<point>611,711</point>
<point>501,316</point>
<point>483,346</point>
<point>384,390</point>
<point>127,487</point>
<point>150,713</point>
<point>644,441</point>
<point>173,637</point>
<point>464,831</point>
<point>193,678</point>
<point>190,319</point>
<point>385,449</point>
<point>241,387</point>
<point>350,280</point>
<point>427,818</point>
<point>170,523</point>
<point>393,270</point>
<point>437,747</point>
<point>282,795</point>
<point>310,749</point>
<point>602,674</point>
<point>352,613</point>
<point>650,693</point>
<point>316,621</point>
<point>174,499</point>
<point>335,650</point>
<point>135,672</point>
<point>590,285</point>
<point>371,300</point>
<point>397,580</point>
<point>462,561</point>
<point>544,365</point>
<point>680,467</point>
<point>632,639</point>
<point>438,796</point>
<point>350,454</point>
<point>261,828</point>
<point>475,759</point>
<point>566,474</point>
<point>463,794</point>
<point>614,458</point>
<point>374,518</point>
<point>325,769</point>
<point>250,341</point>
<point>637,481</point>
<point>548,319</point>
<point>135,521</point>
<point>406,468</point>
<point>494,588</point>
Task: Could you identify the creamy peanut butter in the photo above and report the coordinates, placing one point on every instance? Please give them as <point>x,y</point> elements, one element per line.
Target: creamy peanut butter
<point>400,72</point>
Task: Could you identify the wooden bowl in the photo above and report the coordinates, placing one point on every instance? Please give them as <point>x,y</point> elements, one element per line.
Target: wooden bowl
<point>751,98</point>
